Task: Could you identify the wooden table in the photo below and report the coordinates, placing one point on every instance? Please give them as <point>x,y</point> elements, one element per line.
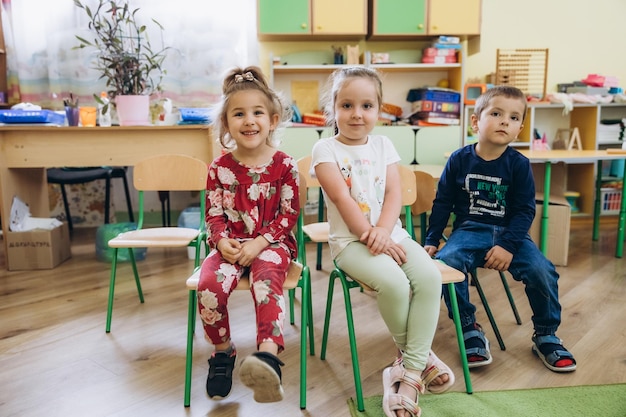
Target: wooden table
<point>27,150</point>
<point>579,157</point>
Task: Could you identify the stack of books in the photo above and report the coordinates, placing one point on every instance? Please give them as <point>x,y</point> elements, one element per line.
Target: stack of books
<point>442,51</point>
<point>434,106</point>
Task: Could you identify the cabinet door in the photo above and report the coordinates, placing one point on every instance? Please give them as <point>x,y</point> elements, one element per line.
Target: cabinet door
<point>283,17</point>
<point>344,17</point>
<point>399,17</point>
<point>454,17</point>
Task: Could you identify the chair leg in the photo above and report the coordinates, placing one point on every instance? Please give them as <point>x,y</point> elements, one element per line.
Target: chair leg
<point>518,320</point>
<point>310,316</point>
<point>483,299</point>
<point>66,205</point>
<point>304,327</point>
<point>459,336</point>
<point>129,203</point>
<point>191,322</point>
<point>423,225</point>
<point>336,273</point>
<point>320,218</point>
<point>111,290</point>
<point>292,296</point>
<point>131,255</point>
<point>107,199</point>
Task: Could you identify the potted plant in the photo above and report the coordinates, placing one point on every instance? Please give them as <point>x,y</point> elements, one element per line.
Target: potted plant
<point>125,56</point>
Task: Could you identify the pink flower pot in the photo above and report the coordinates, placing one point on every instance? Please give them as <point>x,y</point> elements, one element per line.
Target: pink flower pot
<point>133,110</point>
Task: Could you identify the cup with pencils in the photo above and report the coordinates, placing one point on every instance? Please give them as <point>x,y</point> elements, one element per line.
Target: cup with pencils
<point>71,110</point>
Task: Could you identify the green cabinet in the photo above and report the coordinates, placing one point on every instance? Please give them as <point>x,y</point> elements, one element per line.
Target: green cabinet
<point>398,17</point>
<point>283,17</point>
<point>405,18</point>
<point>293,18</point>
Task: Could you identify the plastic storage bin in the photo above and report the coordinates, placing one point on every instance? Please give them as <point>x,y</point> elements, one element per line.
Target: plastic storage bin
<point>107,232</point>
<point>31,116</point>
<point>191,218</point>
<point>610,200</point>
<point>195,114</point>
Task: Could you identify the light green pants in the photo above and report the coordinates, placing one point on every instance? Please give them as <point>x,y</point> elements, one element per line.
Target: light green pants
<point>408,296</point>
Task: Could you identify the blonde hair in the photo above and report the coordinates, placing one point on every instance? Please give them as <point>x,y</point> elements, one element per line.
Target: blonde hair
<point>339,78</point>
<point>243,79</point>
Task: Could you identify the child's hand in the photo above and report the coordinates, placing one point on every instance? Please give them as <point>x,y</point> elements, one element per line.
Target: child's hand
<point>230,250</point>
<point>431,250</point>
<point>498,258</point>
<point>377,240</point>
<point>250,249</point>
<point>397,252</point>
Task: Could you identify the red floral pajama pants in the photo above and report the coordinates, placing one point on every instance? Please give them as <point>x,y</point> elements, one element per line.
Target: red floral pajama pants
<point>218,279</point>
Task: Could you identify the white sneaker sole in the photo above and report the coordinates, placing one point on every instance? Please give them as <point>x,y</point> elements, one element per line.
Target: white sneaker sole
<point>262,379</point>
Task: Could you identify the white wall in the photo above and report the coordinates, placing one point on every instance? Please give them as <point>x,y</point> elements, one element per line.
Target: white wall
<point>583,37</point>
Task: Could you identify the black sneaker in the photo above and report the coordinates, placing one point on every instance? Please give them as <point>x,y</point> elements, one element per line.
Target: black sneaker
<point>261,372</point>
<point>220,379</point>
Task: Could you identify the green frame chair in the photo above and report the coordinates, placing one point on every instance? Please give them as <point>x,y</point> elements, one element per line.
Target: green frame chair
<point>299,276</point>
<point>450,277</point>
<point>172,172</point>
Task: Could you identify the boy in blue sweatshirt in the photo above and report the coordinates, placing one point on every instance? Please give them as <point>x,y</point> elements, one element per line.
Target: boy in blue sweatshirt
<point>490,188</point>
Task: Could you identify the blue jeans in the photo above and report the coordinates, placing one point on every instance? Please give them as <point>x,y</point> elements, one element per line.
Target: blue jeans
<point>466,249</point>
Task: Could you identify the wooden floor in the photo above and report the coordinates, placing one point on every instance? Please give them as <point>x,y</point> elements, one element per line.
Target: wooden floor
<point>57,360</point>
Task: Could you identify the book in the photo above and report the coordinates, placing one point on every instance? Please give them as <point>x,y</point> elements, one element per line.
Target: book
<point>436,117</point>
<point>436,106</point>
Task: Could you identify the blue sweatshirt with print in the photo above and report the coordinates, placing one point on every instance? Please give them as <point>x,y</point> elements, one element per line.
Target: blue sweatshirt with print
<point>499,192</point>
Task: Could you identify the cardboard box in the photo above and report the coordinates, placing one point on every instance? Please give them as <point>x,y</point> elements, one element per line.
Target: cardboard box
<point>558,179</point>
<point>559,214</point>
<point>38,249</point>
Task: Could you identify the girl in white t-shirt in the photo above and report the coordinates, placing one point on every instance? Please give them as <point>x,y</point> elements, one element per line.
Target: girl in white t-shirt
<point>361,185</point>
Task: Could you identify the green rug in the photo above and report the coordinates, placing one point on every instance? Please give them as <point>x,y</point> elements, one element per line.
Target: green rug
<point>588,401</point>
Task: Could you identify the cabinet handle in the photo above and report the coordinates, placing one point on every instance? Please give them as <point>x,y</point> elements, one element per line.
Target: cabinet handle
<point>420,26</point>
<point>435,27</point>
<point>303,25</point>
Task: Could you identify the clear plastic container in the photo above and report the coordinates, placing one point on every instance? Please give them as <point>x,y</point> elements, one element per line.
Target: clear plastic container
<point>104,110</point>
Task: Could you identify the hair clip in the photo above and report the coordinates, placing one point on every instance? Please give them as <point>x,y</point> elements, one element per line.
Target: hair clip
<point>239,78</point>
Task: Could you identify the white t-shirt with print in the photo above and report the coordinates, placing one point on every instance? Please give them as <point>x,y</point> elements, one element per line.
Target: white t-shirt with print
<point>364,168</point>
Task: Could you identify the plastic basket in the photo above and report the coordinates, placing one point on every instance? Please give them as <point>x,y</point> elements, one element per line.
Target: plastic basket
<point>32,116</point>
<point>610,200</point>
<point>195,114</point>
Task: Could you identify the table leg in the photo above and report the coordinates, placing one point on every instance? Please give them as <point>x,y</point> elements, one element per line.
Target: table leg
<point>544,215</point>
<point>596,205</point>
<point>619,247</point>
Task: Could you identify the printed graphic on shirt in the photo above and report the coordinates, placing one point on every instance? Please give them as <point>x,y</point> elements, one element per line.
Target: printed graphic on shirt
<point>357,175</point>
<point>487,195</point>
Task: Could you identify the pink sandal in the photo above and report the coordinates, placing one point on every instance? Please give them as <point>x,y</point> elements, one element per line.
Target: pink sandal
<point>435,368</point>
<point>392,401</point>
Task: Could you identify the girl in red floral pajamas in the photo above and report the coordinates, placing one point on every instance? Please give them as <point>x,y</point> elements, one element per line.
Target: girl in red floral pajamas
<point>252,207</point>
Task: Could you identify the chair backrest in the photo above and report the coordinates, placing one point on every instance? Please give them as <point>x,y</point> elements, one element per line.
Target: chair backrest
<point>407,181</point>
<point>172,172</point>
<point>426,191</point>
<point>304,165</point>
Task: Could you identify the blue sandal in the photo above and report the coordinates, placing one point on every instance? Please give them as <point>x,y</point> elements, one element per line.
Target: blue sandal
<point>554,356</point>
<point>477,350</point>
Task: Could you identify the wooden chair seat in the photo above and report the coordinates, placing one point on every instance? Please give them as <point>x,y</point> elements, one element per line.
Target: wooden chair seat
<point>317,232</point>
<point>156,237</point>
